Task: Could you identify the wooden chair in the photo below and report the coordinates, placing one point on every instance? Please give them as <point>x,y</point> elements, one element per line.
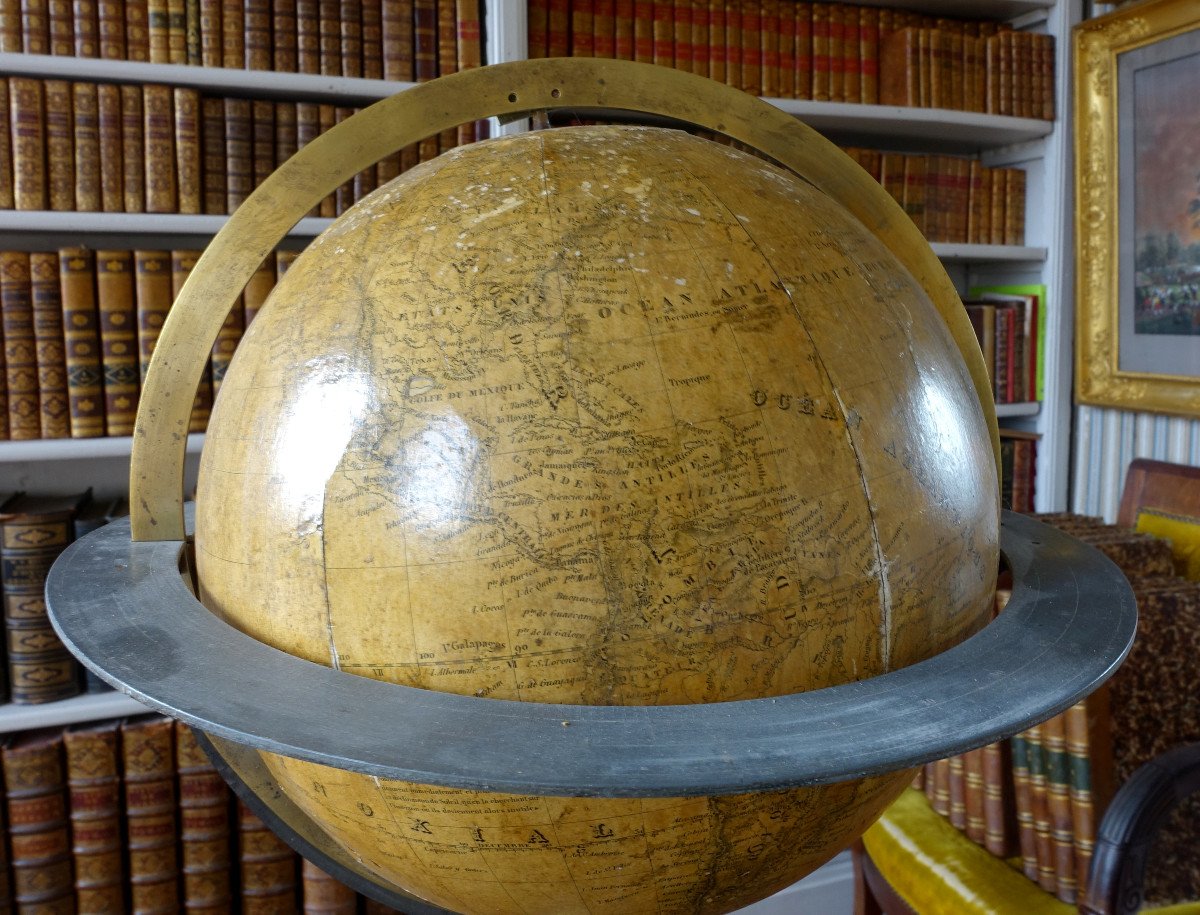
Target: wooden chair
<point>914,860</point>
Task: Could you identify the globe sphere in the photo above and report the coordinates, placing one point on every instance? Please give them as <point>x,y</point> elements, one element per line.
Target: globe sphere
<point>603,416</point>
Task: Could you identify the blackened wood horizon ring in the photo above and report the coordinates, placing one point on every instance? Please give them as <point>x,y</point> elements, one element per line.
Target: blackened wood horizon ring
<point>511,89</point>
<point>123,608</point>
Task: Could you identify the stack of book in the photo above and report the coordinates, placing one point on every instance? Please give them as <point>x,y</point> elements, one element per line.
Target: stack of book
<point>80,326</point>
<point>1041,795</point>
<point>950,198</point>
<point>376,39</point>
<point>88,146</point>
<point>130,816</point>
<point>839,52</point>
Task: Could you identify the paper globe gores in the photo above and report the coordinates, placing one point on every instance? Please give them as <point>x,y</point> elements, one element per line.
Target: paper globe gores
<point>598,416</point>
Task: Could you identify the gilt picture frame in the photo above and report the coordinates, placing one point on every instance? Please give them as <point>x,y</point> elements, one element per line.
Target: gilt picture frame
<point>1137,218</point>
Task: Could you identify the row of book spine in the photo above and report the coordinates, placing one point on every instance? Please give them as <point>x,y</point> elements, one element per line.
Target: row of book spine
<point>131,816</point>
<point>952,199</point>
<point>80,326</point>
<point>402,40</point>
<point>1057,778</point>
<point>825,51</point>
<point>1006,327</point>
<point>103,147</point>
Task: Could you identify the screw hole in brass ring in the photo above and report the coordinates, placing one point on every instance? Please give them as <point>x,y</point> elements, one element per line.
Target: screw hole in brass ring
<point>512,96</point>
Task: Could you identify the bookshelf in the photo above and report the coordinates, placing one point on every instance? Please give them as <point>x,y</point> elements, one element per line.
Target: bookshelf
<point>1042,147</point>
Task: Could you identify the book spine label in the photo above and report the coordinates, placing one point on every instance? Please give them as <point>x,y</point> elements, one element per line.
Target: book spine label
<point>48,334</point>
<point>60,145</point>
<point>118,339</point>
<point>187,149</point>
<point>20,351</point>
<point>133,150</point>
<point>87,147</point>
<point>27,125</point>
<point>112,164</point>
<point>81,337</point>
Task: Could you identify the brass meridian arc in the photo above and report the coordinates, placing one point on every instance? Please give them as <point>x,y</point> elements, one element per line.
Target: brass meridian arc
<point>503,90</point>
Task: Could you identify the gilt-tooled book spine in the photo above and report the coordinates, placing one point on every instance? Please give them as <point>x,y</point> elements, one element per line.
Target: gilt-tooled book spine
<point>325,895</point>
<point>116,307</point>
<point>999,805</point>
<point>771,84</point>
<point>623,37</point>
<point>268,867</point>
<point>372,39</point>
<point>1079,771</point>
<point>285,131</point>
<point>81,337</point>
<point>664,27</point>
<point>308,36</point>
<point>148,757</point>
<point>6,158</point>
<point>233,34</point>
<point>176,31</point>
<point>211,45</point>
<point>851,59</point>
<point>194,42</point>
<point>681,28</point>
<point>112,165</point>
<point>1058,797</point>
<point>283,36</point>
<point>162,194</point>
<point>975,818</point>
<point>327,117</point>
<point>1023,799</point>
<point>868,55</point>
<point>344,195</point>
<point>350,32</point>
<point>87,147</point>
<point>1014,206</point>
<point>262,142</point>
<point>537,26</point>
<point>111,15</point>
<point>27,124</point>
<point>133,150</point>
<point>308,128</point>
<point>137,30</point>
<point>35,26</point>
<point>239,164</point>
<point>1038,789</point>
<point>213,154</point>
<point>643,29</point>
<point>34,531</point>
<point>257,30</point>
<point>958,793</point>
<point>787,50</point>
<point>10,28</point>
<point>397,23</point>
<point>804,50</point>
<point>330,33</point>
<point>182,264</point>
<point>60,145</point>
<point>822,77</point>
<point>733,44</point>
<point>159,37</point>
<point>94,789</point>
<point>204,827</point>
<point>35,791</point>
<point>152,271</point>
<point>187,149</point>
<point>899,70</point>
<point>62,28</point>
<point>447,57</point>
<point>752,58</point>
<point>20,350</point>
<point>48,338</point>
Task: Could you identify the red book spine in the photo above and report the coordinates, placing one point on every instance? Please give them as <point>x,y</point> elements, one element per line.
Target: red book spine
<point>664,25</point>
<point>751,47</point>
<point>583,19</point>
<point>558,33</point>
<point>604,29</point>
<point>682,49</point>
<point>623,29</point>
<point>643,30</point>
<point>537,26</point>
<point>769,49</point>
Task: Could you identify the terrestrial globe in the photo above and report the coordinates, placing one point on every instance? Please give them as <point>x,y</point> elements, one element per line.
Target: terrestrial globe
<point>597,416</point>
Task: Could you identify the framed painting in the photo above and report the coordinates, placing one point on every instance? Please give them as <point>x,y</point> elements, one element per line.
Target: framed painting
<point>1137,223</point>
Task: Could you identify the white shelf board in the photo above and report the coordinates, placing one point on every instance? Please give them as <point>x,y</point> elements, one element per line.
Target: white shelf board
<point>90,707</point>
<point>69,449</point>
<point>259,83</point>
<point>965,129</point>
<point>984,254</point>
<point>47,222</point>
<point>1018,409</point>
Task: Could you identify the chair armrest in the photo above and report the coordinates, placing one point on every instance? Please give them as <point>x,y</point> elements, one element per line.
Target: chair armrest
<point>1129,826</point>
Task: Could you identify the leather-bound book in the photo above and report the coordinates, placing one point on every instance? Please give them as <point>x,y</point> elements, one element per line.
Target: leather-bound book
<point>470,51</point>
<point>81,338</point>
<point>87,147</point>
<point>285,132</point>
<point>48,338</point>
<point>188,165</point>
<point>158,106</point>
<point>958,797</point>
<point>204,827</point>
<point>623,30</point>
<point>268,867</point>
<point>330,36</point>
<point>1058,798</point>
<point>425,52</point>
<point>27,125</point>
<point>822,77</point>
<point>372,39</point>
<point>257,26</point>
<point>176,32</point>
<point>325,895</point>
<point>137,30</point>
<point>112,28</point>
<point>133,150</point>
<point>1014,206</point>
<point>213,154</point>
<point>60,145</point>
<point>350,32</point>
<point>643,29</point>
<point>239,163</point>
<point>999,805</point>
<point>308,36</point>
<point>182,264</point>
<point>868,55</point>
<point>211,44</point>
<point>85,28</point>
<point>116,307</point>
<point>308,128</point>
<point>537,24</point>
<point>62,28</point>
<point>7,202</point>
<point>39,836</point>
<point>899,70</point>
<point>20,349</point>
<point>283,36</point>
<point>397,24</point>
<point>664,30</point>
<point>233,34</point>
<point>583,24</point>
<point>35,529</point>
<point>262,144</point>
<point>94,789</point>
<point>255,294</point>
<point>975,825</point>
<point>157,16</point>
<point>10,28</point>
<point>786,67</point>
<point>112,165</point>
<point>35,26</point>
<point>152,272</point>
<point>227,340</point>
<point>148,757</point>
<point>804,50</point>
<point>194,44</point>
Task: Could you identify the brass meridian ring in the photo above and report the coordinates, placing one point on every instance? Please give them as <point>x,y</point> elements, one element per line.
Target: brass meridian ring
<point>503,90</point>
